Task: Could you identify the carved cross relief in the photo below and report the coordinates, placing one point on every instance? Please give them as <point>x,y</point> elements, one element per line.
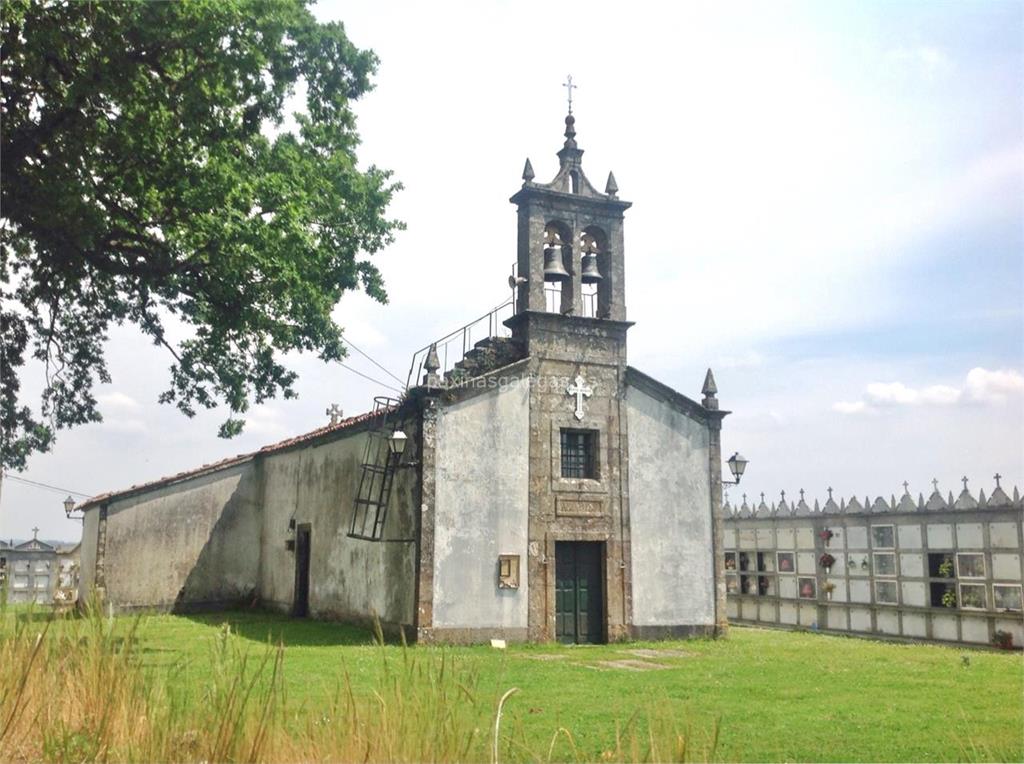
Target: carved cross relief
<point>581,390</point>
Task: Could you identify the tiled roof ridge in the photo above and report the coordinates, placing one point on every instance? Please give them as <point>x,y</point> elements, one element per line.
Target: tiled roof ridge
<point>237,459</point>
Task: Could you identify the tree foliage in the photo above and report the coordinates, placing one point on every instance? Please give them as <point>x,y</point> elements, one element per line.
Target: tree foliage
<point>140,185</point>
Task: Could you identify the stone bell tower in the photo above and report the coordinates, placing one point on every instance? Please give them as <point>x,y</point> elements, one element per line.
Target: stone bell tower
<point>570,317</point>
<point>570,242</point>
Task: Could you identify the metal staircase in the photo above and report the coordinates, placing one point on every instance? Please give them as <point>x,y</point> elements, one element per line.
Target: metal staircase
<point>377,473</point>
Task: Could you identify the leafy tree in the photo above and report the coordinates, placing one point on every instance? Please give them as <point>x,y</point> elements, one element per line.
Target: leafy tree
<point>140,185</point>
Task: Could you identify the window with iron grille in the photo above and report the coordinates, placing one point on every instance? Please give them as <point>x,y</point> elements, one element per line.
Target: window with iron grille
<point>579,454</point>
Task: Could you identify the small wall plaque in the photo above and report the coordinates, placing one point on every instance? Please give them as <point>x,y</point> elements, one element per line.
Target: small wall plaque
<point>508,571</point>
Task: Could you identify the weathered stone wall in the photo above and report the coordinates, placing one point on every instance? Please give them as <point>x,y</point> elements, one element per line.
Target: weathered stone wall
<point>480,512</point>
<point>87,574</point>
<point>943,570</point>
<point>352,579</point>
<point>219,538</point>
<point>193,543</point>
<point>669,514</point>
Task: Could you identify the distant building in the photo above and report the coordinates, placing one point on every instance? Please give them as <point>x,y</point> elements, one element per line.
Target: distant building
<point>39,571</point>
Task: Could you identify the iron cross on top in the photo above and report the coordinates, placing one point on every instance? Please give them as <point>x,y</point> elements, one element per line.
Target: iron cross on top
<point>581,390</point>
<point>569,87</point>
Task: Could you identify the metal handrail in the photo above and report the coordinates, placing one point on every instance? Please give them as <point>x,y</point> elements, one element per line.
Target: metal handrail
<point>449,356</point>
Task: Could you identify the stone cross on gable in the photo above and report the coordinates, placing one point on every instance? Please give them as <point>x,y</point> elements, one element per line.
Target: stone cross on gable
<point>906,487</point>
<point>35,533</point>
<point>997,477</point>
<point>581,390</point>
<point>964,481</point>
<point>935,484</point>
<point>335,413</point>
<point>829,489</point>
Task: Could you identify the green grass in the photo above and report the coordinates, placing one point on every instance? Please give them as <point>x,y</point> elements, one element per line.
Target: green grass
<point>771,695</point>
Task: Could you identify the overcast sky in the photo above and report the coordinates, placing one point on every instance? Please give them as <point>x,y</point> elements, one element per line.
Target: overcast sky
<point>827,206</point>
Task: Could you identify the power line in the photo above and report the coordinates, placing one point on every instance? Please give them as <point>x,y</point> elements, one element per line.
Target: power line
<point>376,381</point>
<point>371,360</point>
<point>47,486</point>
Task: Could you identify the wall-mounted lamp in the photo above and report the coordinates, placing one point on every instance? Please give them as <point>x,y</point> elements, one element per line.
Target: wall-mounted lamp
<point>737,466</point>
<point>396,443</point>
<point>69,506</point>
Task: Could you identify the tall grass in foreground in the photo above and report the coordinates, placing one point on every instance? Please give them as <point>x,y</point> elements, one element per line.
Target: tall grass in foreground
<point>76,689</point>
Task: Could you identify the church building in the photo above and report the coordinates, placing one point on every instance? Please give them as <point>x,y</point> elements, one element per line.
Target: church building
<point>529,484</point>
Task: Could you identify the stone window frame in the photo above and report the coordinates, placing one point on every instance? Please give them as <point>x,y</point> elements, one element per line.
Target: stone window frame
<point>559,484</point>
<point>973,584</point>
<point>984,567</point>
<point>1020,597</point>
<point>890,582</point>
<point>778,562</point>
<point>892,529</point>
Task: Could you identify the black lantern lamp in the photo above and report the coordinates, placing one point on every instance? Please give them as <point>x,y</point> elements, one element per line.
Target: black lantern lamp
<point>69,506</point>
<point>737,465</point>
<point>396,443</point>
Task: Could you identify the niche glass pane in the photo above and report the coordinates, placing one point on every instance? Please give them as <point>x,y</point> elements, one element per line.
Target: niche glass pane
<point>970,565</point>
<point>882,537</point>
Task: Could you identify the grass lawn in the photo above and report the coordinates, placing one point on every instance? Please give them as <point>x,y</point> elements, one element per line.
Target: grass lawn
<point>773,695</point>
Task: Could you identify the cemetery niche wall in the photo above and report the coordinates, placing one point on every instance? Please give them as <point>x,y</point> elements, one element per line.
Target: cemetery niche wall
<point>941,569</point>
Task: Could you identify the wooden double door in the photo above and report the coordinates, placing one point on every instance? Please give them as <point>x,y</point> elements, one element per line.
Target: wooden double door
<point>579,592</point>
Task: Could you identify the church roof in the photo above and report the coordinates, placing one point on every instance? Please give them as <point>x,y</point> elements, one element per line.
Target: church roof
<point>319,433</point>
<point>649,384</point>
<point>33,545</point>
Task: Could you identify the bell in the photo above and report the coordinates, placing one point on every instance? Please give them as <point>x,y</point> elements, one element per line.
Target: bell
<point>553,269</point>
<point>590,275</point>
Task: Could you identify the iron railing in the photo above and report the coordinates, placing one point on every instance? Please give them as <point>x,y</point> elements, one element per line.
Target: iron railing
<point>453,347</point>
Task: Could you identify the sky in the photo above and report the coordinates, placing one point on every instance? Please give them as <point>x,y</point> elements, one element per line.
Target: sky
<point>827,210</point>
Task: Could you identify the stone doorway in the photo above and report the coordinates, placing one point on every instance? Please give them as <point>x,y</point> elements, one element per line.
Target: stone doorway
<point>300,602</point>
<point>579,592</point>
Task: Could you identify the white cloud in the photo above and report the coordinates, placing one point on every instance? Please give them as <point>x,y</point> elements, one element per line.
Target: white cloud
<point>265,421</point>
<point>747,360</point>
<point>926,60</point>
<point>850,407</point>
<point>986,386</point>
<point>124,424</point>
<point>980,386</point>
<point>117,400</point>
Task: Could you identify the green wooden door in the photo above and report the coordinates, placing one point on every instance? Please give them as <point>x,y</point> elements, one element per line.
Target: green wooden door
<point>579,593</point>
